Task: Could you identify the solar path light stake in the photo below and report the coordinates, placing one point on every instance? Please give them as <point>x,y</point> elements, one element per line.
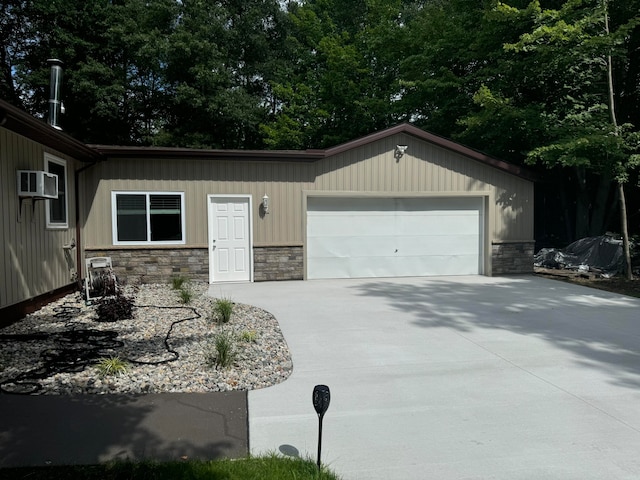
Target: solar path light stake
<point>321,399</point>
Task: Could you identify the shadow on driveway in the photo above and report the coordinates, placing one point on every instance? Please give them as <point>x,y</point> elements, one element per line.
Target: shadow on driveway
<point>585,322</point>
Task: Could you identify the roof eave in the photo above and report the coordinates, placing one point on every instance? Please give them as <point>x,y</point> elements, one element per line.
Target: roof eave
<point>22,123</point>
<point>114,151</point>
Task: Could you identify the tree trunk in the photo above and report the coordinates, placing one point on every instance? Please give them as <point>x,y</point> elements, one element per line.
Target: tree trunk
<point>625,233</point>
<point>614,121</point>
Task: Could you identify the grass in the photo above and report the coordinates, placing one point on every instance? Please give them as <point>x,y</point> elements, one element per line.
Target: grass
<point>224,350</point>
<point>270,467</point>
<point>223,309</point>
<point>185,294</point>
<point>249,336</point>
<point>178,282</point>
<point>112,366</point>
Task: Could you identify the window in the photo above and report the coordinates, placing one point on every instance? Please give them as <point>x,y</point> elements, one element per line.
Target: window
<point>147,217</point>
<point>56,210</point>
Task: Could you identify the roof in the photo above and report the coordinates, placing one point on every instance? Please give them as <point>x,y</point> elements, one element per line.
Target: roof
<point>114,151</point>
<point>311,155</point>
<point>21,122</point>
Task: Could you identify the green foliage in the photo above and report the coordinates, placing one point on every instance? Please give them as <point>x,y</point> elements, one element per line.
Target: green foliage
<point>249,336</point>
<point>223,351</point>
<point>186,294</point>
<point>223,310</point>
<point>178,282</point>
<point>147,72</point>
<point>112,366</point>
<point>270,467</point>
<point>342,76</point>
<point>114,308</point>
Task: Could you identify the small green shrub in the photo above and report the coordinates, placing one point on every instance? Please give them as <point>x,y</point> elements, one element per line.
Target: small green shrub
<point>224,350</point>
<point>178,282</point>
<point>112,366</point>
<point>117,307</point>
<point>222,310</point>
<point>185,294</point>
<point>249,336</point>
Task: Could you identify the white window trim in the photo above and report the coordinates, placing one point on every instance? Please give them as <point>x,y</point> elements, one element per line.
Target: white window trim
<point>114,218</point>
<point>48,158</point>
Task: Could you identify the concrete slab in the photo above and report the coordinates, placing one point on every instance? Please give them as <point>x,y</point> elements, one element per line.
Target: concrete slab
<point>91,429</point>
<point>454,377</point>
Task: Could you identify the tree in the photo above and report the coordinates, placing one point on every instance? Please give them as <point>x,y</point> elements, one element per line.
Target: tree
<point>162,72</point>
<point>342,78</point>
<point>12,31</point>
<point>221,59</point>
<point>573,48</point>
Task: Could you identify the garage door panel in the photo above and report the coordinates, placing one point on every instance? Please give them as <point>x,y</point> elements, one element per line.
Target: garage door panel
<point>421,245</point>
<point>438,265</point>
<point>384,237</point>
<point>444,204</point>
<point>452,225</point>
<point>367,246</point>
<point>357,267</point>
<point>344,225</point>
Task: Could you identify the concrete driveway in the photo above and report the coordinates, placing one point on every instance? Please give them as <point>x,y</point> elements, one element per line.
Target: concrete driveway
<point>454,377</point>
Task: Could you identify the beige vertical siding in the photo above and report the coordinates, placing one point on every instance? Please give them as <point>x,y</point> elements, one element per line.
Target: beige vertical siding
<point>282,182</point>
<point>32,260</point>
<point>425,169</point>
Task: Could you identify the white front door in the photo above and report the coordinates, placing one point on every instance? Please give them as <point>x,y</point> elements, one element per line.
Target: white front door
<point>230,255</point>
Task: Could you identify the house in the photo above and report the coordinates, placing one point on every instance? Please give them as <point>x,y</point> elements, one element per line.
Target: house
<point>399,202</point>
<point>39,236</point>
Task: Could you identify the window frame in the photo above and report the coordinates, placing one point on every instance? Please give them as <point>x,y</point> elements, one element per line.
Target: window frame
<point>147,194</point>
<point>51,224</point>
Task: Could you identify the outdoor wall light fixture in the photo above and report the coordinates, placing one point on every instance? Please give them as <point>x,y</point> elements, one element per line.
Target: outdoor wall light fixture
<point>399,152</point>
<point>265,203</point>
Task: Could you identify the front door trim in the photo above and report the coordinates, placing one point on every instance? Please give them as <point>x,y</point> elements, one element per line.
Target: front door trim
<point>216,198</point>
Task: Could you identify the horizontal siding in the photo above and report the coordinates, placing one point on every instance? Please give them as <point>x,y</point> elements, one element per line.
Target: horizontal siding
<point>424,169</point>
<point>32,260</point>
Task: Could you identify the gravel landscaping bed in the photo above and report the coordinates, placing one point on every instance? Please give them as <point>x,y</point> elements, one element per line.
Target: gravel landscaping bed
<point>168,347</point>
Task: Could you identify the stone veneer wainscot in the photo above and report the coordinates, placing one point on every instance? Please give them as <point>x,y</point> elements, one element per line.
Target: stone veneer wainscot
<point>512,257</point>
<point>159,265</point>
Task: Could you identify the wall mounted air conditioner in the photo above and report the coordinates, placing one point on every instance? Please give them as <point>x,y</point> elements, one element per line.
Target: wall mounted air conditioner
<point>34,183</point>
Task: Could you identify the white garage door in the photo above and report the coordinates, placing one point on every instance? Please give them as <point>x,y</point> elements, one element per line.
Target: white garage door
<point>393,237</point>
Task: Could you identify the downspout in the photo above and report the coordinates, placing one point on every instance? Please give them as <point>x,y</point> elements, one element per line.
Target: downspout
<point>79,249</point>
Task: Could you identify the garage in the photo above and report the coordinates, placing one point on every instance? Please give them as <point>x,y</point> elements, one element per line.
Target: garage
<point>361,237</point>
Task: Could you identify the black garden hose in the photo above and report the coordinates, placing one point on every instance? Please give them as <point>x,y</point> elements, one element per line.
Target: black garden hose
<point>76,349</point>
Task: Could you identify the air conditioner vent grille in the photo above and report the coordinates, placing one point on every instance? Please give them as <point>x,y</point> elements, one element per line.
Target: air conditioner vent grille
<point>36,183</point>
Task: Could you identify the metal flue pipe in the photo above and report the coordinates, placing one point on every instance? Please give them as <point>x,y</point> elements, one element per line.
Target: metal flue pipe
<point>55,85</point>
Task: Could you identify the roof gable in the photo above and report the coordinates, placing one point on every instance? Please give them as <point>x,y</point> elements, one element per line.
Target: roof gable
<point>437,140</point>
